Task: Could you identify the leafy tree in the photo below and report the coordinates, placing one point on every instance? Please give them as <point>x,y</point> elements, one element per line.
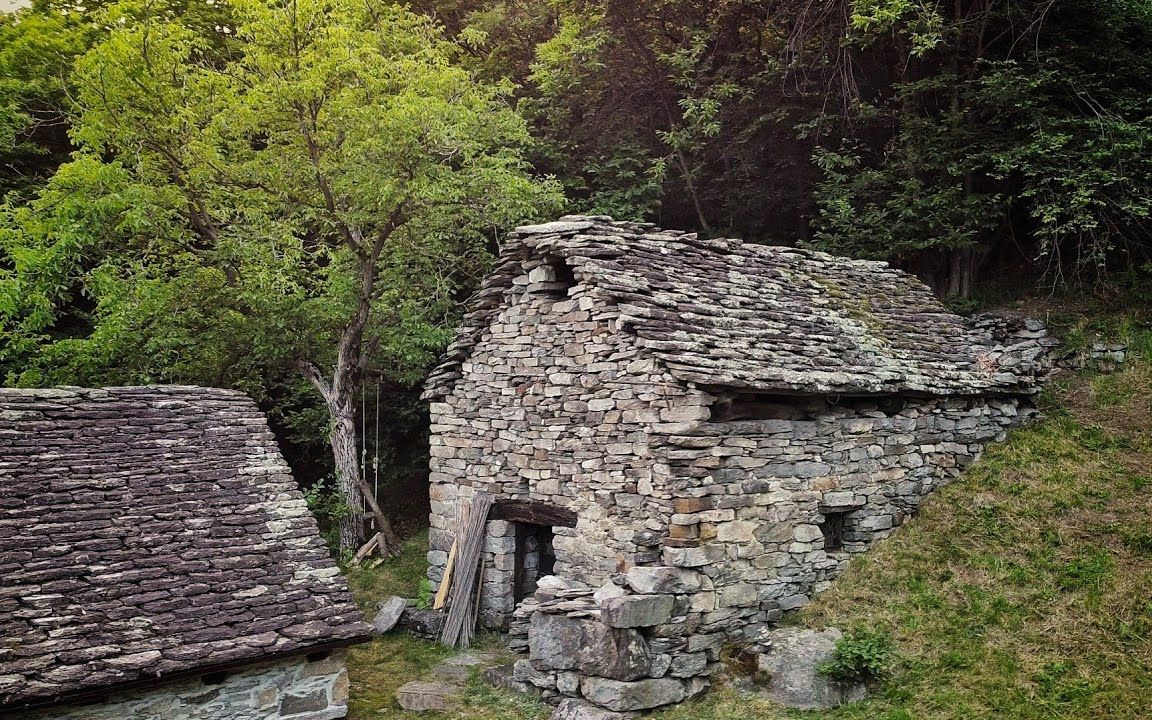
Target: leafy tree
<point>311,197</point>
<point>1010,125</point>
<point>38,47</point>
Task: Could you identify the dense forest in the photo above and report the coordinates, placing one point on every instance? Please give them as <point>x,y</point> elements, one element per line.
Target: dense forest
<point>295,197</point>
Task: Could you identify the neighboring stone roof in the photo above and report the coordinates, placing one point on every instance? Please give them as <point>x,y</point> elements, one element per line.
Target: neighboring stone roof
<point>148,531</point>
<point>766,319</point>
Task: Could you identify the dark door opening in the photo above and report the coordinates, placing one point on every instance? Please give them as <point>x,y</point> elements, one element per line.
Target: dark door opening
<point>535,558</point>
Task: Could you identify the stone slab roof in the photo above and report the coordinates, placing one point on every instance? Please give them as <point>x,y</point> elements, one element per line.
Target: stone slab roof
<point>725,313</point>
<point>146,531</point>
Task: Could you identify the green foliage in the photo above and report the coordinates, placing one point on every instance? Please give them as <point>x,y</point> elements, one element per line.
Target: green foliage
<point>860,657</point>
<point>238,209</point>
<point>426,593</point>
<point>328,506</point>
<point>991,135</point>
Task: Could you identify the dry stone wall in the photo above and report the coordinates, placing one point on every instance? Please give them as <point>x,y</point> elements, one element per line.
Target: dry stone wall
<point>703,513</point>
<point>290,689</point>
<point>771,510</point>
<point>555,406</point>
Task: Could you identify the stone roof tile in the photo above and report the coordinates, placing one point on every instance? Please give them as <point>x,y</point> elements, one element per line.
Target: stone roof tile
<point>725,313</point>
<point>146,531</point>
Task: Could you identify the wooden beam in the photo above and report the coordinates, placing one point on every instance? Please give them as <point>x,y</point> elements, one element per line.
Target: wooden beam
<point>533,511</point>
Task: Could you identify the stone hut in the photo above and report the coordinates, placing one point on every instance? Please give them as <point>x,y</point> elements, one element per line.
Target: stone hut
<point>157,561</point>
<point>686,438</point>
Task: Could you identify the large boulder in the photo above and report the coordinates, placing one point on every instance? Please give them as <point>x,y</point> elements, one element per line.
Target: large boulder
<point>627,696</point>
<point>557,642</point>
<point>791,666</point>
<point>422,623</point>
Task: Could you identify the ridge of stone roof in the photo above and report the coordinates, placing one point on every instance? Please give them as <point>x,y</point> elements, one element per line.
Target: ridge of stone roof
<point>756,318</point>
<point>147,532</point>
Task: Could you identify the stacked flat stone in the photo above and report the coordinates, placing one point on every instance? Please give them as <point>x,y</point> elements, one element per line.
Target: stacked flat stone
<point>708,407</point>
<point>150,532</point>
<point>727,313</point>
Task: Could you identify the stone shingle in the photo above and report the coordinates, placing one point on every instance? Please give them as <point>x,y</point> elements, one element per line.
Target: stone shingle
<point>769,319</point>
<point>147,531</point>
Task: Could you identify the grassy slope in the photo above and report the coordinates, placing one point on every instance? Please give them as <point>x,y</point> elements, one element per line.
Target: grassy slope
<point>1023,590</point>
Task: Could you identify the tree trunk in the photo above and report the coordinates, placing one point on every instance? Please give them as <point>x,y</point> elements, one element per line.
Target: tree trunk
<point>961,266</point>
<point>347,461</point>
<point>339,395</point>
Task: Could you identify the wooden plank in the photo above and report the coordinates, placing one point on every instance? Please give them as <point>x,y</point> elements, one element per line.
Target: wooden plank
<point>463,598</point>
<point>446,581</point>
<point>534,512</point>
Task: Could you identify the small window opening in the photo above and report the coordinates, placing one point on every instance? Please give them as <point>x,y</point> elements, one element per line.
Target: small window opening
<point>833,530</point>
<point>762,406</point>
<point>554,279</point>
<point>317,656</point>
<point>535,558</point>
<point>216,678</point>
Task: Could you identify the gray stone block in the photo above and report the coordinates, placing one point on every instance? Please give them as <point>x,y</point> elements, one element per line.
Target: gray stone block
<point>419,696</point>
<point>631,611</point>
<point>557,642</point>
<point>791,665</point>
<point>638,695</point>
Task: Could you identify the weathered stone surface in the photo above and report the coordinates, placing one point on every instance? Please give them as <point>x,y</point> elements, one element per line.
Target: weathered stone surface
<point>638,695</point>
<point>294,688</point>
<point>606,591</point>
<point>422,623</point>
<point>660,580</point>
<point>309,702</point>
<point>419,695</point>
<point>791,666</point>
<point>632,611</point>
<point>150,531</point>
<point>389,614</point>
<point>574,709</point>
<point>503,676</point>
<point>560,643</point>
<point>459,667</point>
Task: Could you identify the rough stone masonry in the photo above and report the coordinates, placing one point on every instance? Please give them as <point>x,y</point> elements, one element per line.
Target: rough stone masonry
<point>725,424</point>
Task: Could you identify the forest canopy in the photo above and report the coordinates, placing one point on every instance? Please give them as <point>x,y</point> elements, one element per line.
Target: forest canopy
<point>294,197</point>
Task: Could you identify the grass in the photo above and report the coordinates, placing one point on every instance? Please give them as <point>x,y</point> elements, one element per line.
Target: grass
<point>1023,590</point>
<point>378,668</point>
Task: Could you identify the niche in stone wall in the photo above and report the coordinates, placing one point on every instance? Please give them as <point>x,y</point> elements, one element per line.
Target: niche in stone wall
<point>835,522</point>
<point>553,279</point>
<point>532,525</point>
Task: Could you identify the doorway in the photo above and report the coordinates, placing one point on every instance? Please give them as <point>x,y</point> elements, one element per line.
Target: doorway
<point>535,557</point>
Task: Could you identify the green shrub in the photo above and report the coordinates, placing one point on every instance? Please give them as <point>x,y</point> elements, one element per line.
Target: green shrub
<point>424,596</point>
<point>864,655</point>
<point>328,507</point>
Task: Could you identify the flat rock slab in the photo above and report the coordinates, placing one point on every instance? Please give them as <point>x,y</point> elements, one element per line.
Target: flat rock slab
<point>389,614</point>
<point>458,668</point>
<point>420,695</point>
<point>792,667</point>
<point>574,709</point>
<point>503,677</point>
<point>638,695</point>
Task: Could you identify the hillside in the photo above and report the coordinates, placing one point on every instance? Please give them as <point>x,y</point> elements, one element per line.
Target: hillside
<point>1023,590</point>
